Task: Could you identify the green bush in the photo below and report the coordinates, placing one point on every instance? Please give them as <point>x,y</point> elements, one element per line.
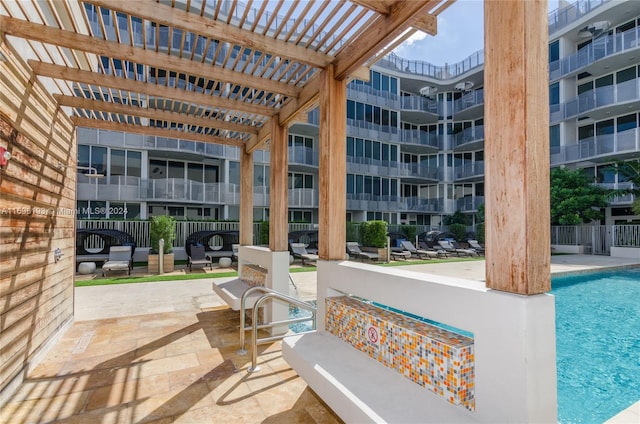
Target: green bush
<point>263,235</point>
<point>374,233</point>
<point>353,232</point>
<point>480,233</point>
<point>410,232</point>
<point>460,231</point>
<point>162,227</point>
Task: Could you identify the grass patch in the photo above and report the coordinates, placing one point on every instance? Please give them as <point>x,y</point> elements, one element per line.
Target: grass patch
<point>432,261</point>
<point>130,280</point>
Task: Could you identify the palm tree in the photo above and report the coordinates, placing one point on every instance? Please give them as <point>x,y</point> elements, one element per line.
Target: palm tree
<point>630,171</point>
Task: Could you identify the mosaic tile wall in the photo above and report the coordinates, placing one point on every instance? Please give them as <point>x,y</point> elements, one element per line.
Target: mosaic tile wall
<point>439,360</point>
<point>254,275</point>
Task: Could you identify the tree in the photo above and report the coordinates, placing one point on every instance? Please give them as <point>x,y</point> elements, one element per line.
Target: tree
<point>629,171</point>
<point>574,199</point>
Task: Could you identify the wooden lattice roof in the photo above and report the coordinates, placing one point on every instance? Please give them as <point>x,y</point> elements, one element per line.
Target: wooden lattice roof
<point>203,70</point>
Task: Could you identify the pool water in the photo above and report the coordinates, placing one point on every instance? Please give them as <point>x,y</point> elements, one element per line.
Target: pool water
<point>597,344</point>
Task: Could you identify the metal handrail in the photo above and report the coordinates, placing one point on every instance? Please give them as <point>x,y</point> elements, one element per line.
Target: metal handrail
<point>269,293</point>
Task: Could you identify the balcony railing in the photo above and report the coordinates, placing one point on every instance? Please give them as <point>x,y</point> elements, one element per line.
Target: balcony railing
<point>417,204</point>
<point>419,67</point>
<point>422,138</point>
<point>303,156</point>
<point>419,103</point>
<point>364,165</point>
<point>419,170</point>
<point>367,94</point>
<point>469,170</point>
<point>469,100</point>
<point>563,17</point>
<point>619,199</point>
<point>468,135</point>
<point>469,204</point>
<point>627,91</point>
<point>371,202</point>
<point>601,48</point>
<point>601,145</point>
<point>371,131</point>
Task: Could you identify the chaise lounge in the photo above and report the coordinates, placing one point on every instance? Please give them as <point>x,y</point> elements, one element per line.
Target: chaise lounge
<point>299,250</point>
<point>120,259</point>
<point>420,253</point>
<point>353,249</point>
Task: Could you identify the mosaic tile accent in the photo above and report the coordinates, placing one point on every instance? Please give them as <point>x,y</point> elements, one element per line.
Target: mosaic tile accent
<point>438,360</point>
<point>254,275</point>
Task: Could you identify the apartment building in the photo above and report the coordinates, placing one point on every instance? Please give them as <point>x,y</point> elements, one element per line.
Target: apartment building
<point>415,135</point>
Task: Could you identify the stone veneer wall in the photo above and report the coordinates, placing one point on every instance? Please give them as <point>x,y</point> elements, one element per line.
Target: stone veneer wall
<point>437,359</point>
<point>254,275</point>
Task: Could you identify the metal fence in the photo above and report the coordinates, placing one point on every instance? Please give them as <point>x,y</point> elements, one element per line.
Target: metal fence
<point>597,239</point>
<point>140,229</point>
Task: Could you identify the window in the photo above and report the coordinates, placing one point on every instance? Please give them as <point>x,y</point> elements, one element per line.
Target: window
<point>626,75</point>
<point>627,122</point>
<point>554,137</point>
<point>554,51</point>
<point>554,94</point>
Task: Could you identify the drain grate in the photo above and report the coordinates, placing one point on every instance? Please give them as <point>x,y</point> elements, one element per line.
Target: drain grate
<point>83,342</point>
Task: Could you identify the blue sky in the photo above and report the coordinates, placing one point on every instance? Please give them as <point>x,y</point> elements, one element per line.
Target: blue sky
<point>460,33</point>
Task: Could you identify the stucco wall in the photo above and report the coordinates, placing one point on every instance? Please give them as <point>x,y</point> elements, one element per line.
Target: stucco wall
<point>37,206</point>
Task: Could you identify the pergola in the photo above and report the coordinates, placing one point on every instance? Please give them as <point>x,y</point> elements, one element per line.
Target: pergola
<point>240,74</point>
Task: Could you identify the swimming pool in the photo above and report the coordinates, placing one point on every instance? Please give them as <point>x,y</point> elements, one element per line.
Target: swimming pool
<point>597,344</point>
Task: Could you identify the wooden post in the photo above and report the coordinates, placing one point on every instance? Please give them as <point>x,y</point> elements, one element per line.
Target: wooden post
<point>246,198</point>
<point>279,190</point>
<point>333,167</point>
<point>517,146</point>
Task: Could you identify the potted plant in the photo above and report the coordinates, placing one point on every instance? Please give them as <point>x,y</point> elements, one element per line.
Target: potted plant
<point>161,227</point>
<point>374,237</point>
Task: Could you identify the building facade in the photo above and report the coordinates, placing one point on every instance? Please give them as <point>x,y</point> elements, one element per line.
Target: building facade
<point>415,137</point>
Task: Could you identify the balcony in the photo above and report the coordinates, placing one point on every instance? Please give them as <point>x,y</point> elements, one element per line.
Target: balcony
<point>565,16</point>
<point>469,139</point>
<point>305,156</point>
<point>371,131</point>
<point>473,170</point>
<point>419,67</point>
<point>467,102</point>
<point>619,199</point>
<point>419,171</point>
<point>420,141</point>
<point>368,166</point>
<point>366,94</point>
<point>602,97</point>
<point>602,48</point>
<point>601,147</point>
<point>371,202</point>
<point>419,104</point>
<point>418,204</point>
<point>469,204</point>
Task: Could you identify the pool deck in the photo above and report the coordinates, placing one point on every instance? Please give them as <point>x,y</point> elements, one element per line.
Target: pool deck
<point>166,352</point>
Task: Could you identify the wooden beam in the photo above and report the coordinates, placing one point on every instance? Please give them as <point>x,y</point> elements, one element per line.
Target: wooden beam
<point>259,142</point>
<point>215,29</point>
<point>333,167</point>
<point>382,32</point>
<point>424,22</point>
<point>81,103</point>
<point>154,90</point>
<point>517,146</point>
<point>278,189</point>
<point>89,44</point>
<point>160,132</point>
<point>246,198</point>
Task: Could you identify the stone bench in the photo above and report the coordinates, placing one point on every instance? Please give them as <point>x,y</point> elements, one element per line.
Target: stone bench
<point>231,290</point>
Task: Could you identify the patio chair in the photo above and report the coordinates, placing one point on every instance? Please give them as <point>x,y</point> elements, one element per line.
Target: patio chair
<point>353,249</point>
<point>476,246</point>
<point>198,258</point>
<point>420,253</point>
<point>235,248</point>
<point>469,252</point>
<point>449,248</point>
<point>120,259</point>
<point>298,250</point>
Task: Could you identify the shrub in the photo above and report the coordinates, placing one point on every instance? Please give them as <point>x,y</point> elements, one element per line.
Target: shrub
<point>162,227</point>
<point>460,231</point>
<point>263,234</point>
<point>480,232</point>
<point>409,231</point>
<point>374,233</point>
<point>353,231</point>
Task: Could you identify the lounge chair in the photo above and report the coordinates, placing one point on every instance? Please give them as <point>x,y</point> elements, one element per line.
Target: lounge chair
<point>450,248</point>
<point>469,252</point>
<point>420,253</point>
<point>198,258</point>
<point>235,248</point>
<point>476,246</point>
<point>299,250</point>
<point>353,249</point>
<point>120,259</point>
<point>399,255</point>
